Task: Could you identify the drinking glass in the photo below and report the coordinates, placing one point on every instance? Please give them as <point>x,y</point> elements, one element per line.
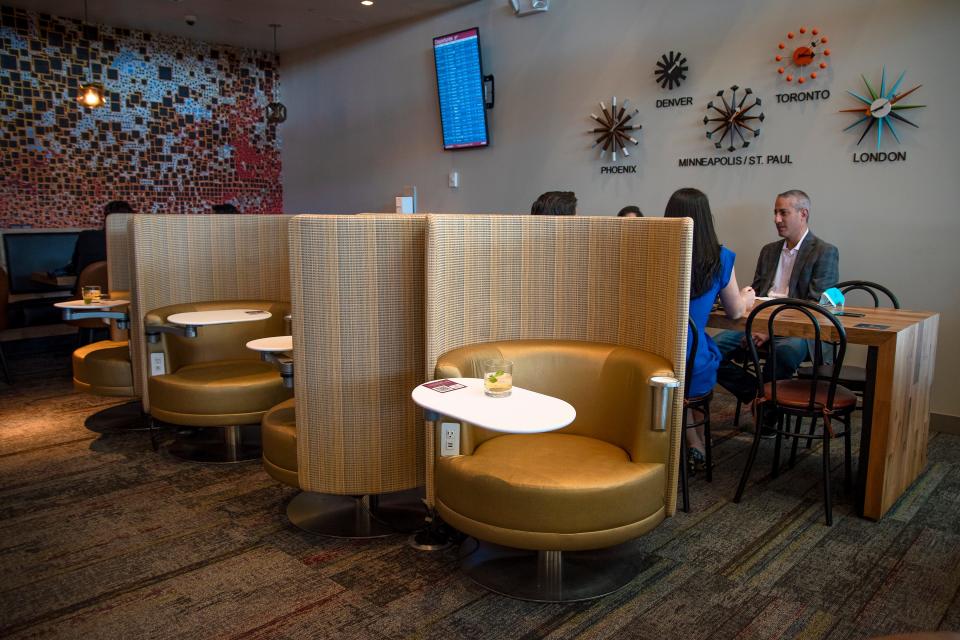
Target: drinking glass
<point>497,377</point>
<point>91,294</point>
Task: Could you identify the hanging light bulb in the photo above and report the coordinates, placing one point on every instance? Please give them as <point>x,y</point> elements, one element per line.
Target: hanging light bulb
<point>276,111</point>
<point>91,94</point>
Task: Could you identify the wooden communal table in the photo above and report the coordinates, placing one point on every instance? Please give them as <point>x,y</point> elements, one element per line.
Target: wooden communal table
<point>896,408</point>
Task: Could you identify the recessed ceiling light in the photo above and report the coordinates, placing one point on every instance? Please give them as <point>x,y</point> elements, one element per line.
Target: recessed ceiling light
<point>366,3</point>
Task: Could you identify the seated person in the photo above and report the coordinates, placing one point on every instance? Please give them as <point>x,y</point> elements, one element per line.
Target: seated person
<point>92,244</point>
<point>632,212</point>
<point>711,273</point>
<point>801,265</point>
<point>555,203</point>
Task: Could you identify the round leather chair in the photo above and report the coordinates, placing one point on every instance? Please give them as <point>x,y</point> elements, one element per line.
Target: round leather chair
<point>279,433</point>
<point>213,381</point>
<point>593,485</point>
<point>103,368</point>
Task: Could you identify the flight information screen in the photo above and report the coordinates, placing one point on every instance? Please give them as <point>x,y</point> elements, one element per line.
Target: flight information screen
<point>463,113</point>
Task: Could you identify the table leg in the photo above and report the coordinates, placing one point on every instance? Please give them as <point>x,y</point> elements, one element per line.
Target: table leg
<point>866,424</point>
<point>899,421</point>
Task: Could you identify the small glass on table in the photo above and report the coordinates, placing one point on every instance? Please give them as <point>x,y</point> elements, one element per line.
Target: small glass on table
<point>91,294</point>
<point>497,377</point>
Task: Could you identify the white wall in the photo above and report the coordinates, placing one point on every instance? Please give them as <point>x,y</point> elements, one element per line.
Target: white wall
<point>364,122</point>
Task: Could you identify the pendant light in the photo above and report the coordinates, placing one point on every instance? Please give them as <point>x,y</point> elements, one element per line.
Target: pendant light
<point>91,94</point>
<point>276,111</point>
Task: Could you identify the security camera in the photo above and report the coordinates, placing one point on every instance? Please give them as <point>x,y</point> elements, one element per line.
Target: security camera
<point>190,20</point>
<point>529,7</point>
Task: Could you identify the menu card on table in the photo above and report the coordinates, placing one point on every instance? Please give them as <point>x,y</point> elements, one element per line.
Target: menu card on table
<point>443,386</point>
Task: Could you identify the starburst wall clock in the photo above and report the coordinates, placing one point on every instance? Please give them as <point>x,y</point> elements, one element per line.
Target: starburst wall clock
<point>613,133</point>
<point>807,58</point>
<point>733,121</point>
<point>671,70</point>
<point>882,107</point>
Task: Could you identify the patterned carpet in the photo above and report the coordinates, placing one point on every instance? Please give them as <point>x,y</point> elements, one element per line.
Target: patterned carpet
<point>102,538</point>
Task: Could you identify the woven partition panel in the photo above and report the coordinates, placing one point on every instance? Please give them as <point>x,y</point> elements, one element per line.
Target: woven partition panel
<point>179,259</point>
<point>118,252</point>
<point>560,277</point>
<point>358,310</point>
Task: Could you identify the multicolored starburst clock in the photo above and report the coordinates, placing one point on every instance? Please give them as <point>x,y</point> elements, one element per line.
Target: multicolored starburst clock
<point>671,70</point>
<point>734,119</point>
<point>612,133</point>
<point>881,108</point>
<point>807,50</point>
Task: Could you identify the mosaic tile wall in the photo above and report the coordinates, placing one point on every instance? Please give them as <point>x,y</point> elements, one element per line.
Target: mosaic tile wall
<point>183,128</point>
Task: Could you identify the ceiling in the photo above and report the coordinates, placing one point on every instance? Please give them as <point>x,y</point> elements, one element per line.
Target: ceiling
<point>244,23</point>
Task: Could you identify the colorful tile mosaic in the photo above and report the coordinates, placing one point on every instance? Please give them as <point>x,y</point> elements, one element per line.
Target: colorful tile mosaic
<point>183,128</point>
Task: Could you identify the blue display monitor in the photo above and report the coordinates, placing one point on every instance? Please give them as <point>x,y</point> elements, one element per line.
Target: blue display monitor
<point>29,252</point>
<point>463,113</point>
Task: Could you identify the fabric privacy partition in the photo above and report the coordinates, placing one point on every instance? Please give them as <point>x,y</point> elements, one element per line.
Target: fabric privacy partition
<point>118,251</point>
<point>598,279</point>
<point>183,259</point>
<point>358,328</point>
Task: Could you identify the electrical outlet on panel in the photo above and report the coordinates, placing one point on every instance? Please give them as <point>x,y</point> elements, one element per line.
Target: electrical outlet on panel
<point>454,179</point>
<point>157,365</point>
<point>449,439</point>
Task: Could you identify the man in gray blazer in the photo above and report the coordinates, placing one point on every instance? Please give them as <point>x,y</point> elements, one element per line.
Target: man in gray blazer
<point>800,265</point>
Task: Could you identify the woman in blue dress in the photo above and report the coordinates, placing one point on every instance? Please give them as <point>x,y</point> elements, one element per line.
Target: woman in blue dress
<point>711,273</point>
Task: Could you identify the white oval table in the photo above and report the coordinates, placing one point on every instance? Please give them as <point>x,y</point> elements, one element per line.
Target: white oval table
<point>218,316</point>
<point>105,310</point>
<point>273,344</point>
<point>523,411</point>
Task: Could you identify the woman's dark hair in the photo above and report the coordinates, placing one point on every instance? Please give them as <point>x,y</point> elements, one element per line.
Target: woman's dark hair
<point>628,210</point>
<point>693,204</point>
<point>225,208</point>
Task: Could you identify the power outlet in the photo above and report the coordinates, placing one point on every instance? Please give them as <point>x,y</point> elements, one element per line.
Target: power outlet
<point>449,439</point>
<point>158,366</point>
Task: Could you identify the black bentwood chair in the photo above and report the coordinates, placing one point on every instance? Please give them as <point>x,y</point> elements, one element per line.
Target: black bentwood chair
<point>819,398</point>
<point>852,376</point>
<point>697,403</point>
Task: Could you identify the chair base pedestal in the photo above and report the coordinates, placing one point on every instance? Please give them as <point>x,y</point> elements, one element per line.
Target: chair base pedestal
<point>128,416</point>
<point>232,449</point>
<point>549,576</point>
<point>356,517</point>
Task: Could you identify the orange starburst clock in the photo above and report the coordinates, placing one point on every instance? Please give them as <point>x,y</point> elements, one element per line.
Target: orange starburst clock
<point>803,55</point>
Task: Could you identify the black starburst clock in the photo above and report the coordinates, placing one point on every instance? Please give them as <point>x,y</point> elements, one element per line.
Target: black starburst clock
<point>733,121</point>
<point>671,70</point>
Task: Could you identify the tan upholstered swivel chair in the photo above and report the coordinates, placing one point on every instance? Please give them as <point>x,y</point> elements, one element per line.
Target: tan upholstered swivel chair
<point>279,432</point>
<point>103,368</point>
<point>595,484</point>
<point>212,380</point>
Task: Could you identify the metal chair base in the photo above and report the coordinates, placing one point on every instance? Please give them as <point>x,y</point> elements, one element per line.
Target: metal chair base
<point>128,416</point>
<point>231,450</point>
<point>549,576</point>
<point>356,517</point>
